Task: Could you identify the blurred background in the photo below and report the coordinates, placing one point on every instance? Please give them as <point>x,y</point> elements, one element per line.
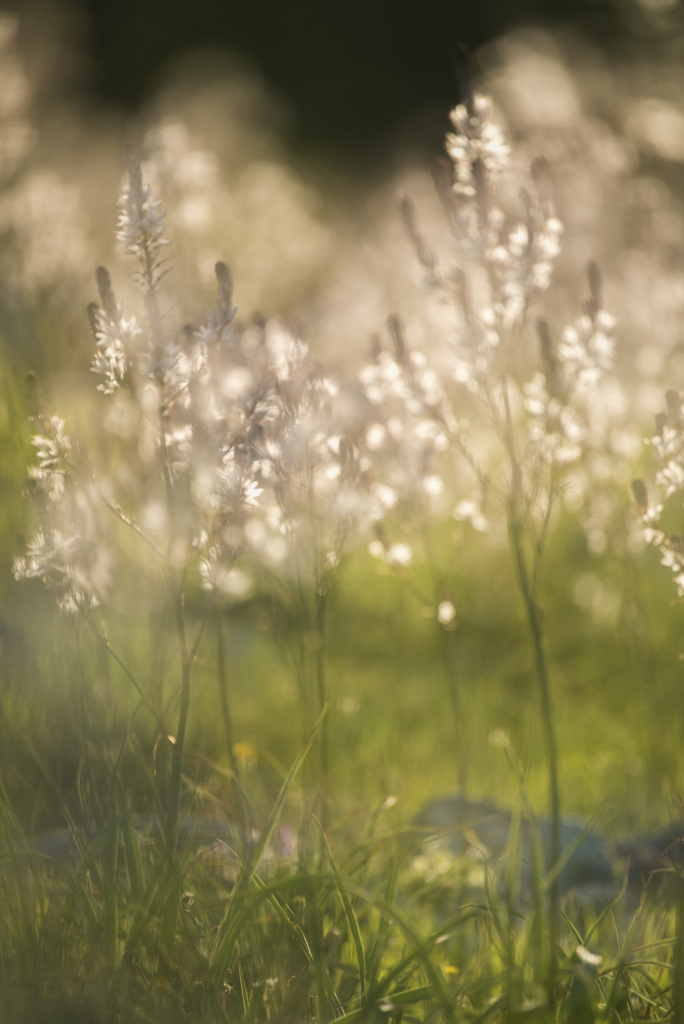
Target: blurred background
<point>351,76</point>
<point>280,137</point>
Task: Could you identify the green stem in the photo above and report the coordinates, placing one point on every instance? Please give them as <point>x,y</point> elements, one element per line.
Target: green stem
<point>534,622</point>
<point>177,757</point>
<point>223,694</point>
<point>228,725</point>
<point>449,654</point>
<point>528,583</point>
<point>321,600</point>
<point>449,645</point>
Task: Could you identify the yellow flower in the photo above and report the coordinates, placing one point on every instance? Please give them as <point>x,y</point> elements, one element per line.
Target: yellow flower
<point>245,751</point>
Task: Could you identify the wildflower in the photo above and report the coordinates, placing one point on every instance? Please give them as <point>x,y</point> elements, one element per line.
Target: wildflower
<point>141,220</point>
<point>114,337</point>
<point>537,426</point>
<point>477,149</point>
<point>69,551</point>
<point>410,426</point>
<point>54,450</point>
<point>668,445</point>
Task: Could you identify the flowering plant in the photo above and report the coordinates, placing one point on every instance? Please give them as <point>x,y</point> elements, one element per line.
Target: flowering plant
<point>235,460</point>
<point>539,420</point>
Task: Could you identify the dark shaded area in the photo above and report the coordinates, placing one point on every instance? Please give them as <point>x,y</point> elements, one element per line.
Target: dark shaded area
<point>350,71</point>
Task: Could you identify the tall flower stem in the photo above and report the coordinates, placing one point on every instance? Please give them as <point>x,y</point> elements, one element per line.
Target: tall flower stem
<point>449,655</point>
<point>528,585</point>
<point>223,695</point>
<point>448,651</point>
<point>321,602</point>
<point>228,725</point>
<point>178,586</point>
<point>177,757</point>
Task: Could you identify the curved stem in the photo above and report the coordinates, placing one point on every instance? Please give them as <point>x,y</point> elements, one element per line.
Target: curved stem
<point>101,636</point>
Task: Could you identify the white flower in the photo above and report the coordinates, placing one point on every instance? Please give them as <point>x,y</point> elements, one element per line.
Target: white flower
<point>377,549</point>
<point>141,219</point>
<point>386,496</point>
<point>114,338</point>
<point>399,554</point>
<point>470,511</point>
<point>446,613</point>
<point>433,485</point>
<point>477,141</point>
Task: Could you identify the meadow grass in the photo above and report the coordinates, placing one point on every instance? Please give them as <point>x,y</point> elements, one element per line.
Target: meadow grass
<point>231,765</point>
<point>350,930</point>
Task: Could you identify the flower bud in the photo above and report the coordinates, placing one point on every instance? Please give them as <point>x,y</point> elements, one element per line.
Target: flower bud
<point>640,493</point>
<point>553,370</point>
<point>674,405</point>
<point>542,178</point>
<point>396,328</point>
<point>443,178</point>
<point>224,279</point>
<point>93,310</point>
<point>104,287</point>
<point>32,392</point>
<point>465,69</point>
<point>595,302</point>
<point>133,166</point>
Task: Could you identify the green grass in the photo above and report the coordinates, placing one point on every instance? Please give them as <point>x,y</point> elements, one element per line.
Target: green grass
<point>356,930</point>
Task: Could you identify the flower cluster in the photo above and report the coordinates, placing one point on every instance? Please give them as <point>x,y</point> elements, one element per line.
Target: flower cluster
<point>496,273</point>
<point>239,445</point>
<point>141,218</point>
<point>668,444</point>
<point>561,400</point>
<point>285,478</point>
<point>516,259</point>
<point>69,551</point>
<point>409,426</point>
<point>242,445</point>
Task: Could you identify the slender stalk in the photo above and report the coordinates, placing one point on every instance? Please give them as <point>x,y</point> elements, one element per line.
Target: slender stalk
<point>448,647</point>
<point>449,653</point>
<point>321,601</point>
<point>114,508</point>
<point>178,589</point>
<point>223,694</point>
<point>186,660</point>
<point>534,622</point>
<point>177,756</point>
<point>228,725</point>
<point>527,584</point>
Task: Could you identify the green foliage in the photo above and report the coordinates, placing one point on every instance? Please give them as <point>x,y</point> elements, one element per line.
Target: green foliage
<point>355,928</point>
